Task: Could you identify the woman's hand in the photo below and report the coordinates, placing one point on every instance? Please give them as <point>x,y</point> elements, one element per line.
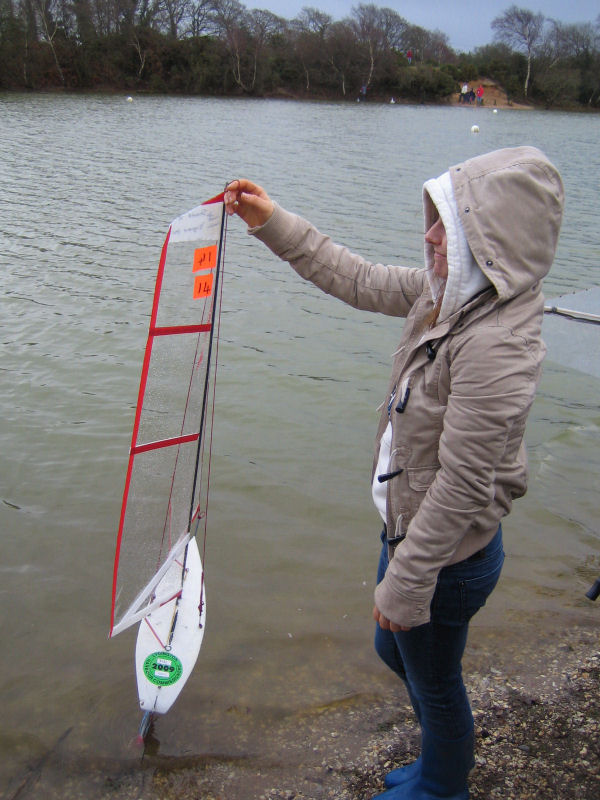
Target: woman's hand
<point>248,201</point>
<point>385,623</point>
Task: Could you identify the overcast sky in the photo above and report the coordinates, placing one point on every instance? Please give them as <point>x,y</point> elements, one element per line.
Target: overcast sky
<point>466,22</point>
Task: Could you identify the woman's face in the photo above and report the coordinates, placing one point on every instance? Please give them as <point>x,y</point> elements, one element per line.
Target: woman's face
<point>436,236</point>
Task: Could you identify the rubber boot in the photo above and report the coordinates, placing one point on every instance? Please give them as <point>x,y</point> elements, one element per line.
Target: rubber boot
<point>403,774</point>
<point>445,767</point>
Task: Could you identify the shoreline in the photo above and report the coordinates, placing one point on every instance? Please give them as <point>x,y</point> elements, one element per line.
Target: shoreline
<point>537,733</point>
<point>489,104</point>
<point>536,706</point>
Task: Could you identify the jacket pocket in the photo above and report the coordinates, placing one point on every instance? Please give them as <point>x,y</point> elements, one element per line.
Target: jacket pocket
<point>421,478</point>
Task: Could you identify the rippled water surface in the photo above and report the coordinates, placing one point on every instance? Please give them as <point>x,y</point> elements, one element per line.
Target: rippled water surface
<point>89,186</point>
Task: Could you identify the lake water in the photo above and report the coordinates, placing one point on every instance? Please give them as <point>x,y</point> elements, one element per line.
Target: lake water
<point>89,186</point>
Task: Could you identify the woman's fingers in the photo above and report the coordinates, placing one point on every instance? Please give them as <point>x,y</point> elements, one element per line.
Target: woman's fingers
<point>385,623</point>
<point>249,201</point>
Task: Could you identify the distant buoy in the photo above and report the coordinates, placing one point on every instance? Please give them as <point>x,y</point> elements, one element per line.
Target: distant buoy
<point>495,111</point>
<point>475,129</point>
<point>130,99</point>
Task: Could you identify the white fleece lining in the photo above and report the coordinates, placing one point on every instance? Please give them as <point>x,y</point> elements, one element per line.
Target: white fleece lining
<point>465,278</point>
<point>379,490</point>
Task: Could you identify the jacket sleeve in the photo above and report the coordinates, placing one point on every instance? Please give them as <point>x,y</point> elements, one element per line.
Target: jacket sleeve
<point>493,382</point>
<point>338,272</point>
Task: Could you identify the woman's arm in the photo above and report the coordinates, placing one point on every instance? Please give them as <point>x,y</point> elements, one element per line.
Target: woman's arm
<point>315,257</point>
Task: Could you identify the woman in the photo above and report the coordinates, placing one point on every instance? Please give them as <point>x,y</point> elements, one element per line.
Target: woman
<point>449,457</point>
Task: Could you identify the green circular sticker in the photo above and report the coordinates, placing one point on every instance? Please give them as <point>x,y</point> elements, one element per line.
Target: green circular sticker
<point>163,669</point>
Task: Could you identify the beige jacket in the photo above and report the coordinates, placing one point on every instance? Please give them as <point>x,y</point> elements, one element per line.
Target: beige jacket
<point>457,436</point>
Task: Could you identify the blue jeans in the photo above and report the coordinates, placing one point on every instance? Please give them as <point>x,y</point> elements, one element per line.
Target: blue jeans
<point>428,657</point>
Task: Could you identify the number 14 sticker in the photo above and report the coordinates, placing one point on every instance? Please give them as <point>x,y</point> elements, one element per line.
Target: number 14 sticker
<point>204,258</point>
<point>203,286</point>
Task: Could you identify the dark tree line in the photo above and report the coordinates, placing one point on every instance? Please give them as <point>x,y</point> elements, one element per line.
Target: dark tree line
<point>220,47</point>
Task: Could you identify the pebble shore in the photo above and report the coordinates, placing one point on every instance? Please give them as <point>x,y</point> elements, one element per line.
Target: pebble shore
<point>535,702</point>
<point>537,737</point>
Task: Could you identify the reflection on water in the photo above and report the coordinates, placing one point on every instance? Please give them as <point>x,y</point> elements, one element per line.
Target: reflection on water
<point>90,185</point>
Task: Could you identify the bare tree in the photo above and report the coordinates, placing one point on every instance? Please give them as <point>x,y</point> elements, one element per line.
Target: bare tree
<point>146,12</point>
<point>340,43</point>
<point>199,17</point>
<point>427,45</point>
<point>438,48</point>
<point>569,61</point>
<point>263,25</point>
<point>245,34</point>
<point>47,15</point>
<point>378,32</point>
<point>522,30</point>
<point>229,21</point>
<point>312,20</point>
<point>84,21</point>
<point>107,16</point>
<point>567,41</point>
<point>141,53</point>
<point>174,12</point>
<point>309,30</point>
<point>27,12</point>
<point>126,12</point>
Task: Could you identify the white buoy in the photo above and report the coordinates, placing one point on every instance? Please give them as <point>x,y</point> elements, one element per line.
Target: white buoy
<point>495,111</point>
<point>475,129</point>
<point>130,99</point>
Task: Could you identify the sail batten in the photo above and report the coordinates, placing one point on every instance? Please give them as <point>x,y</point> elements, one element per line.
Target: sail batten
<point>143,448</point>
<point>177,329</point>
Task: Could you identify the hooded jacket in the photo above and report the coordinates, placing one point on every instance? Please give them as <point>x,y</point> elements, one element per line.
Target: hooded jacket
<point>460,392</point>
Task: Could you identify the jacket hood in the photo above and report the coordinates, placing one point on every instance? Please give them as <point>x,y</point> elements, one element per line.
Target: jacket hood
<point>465,278</point>
<point>510,204</point>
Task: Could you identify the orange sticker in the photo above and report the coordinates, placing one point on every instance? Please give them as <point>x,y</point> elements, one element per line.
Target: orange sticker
<point>205,258</point>
<point>203,286</point>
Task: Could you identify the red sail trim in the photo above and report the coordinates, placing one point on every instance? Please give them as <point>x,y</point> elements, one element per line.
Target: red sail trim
<point>218,198</point>
<point>144,448</point>
<point>136,424</point>
<point>175,329</point>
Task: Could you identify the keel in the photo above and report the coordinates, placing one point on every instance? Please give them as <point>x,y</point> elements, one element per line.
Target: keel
<point>145,726</point>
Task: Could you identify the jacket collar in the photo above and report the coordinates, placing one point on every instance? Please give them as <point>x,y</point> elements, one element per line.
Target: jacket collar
<point>473,309</point>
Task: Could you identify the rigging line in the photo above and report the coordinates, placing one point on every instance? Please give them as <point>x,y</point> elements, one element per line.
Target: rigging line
<point>154,633</point>
<point>217,293</point>
<point>212,420</point>
<point>201,328</point>
<point>176,603</point>
<point>208,363</point>
<point>183,421</point>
